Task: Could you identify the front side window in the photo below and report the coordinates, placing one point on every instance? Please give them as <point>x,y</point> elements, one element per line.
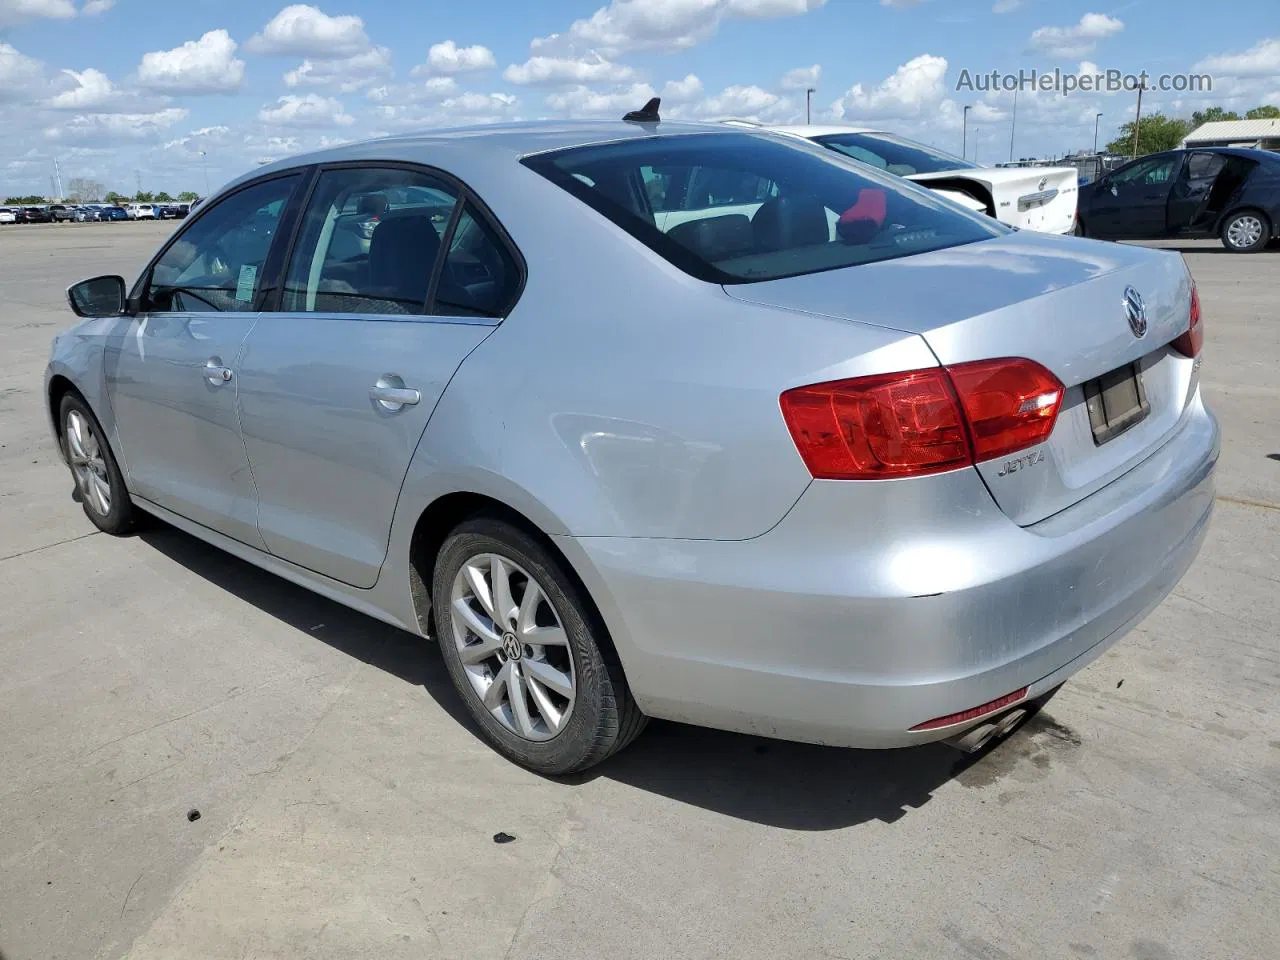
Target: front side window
<point>900,157</point>
<point>1147,172</point>
<point>789,210</point>
<point>369,242</point>
<point>217,263</point>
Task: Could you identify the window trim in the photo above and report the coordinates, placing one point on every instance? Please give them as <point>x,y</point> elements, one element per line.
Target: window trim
<point>271,275</point>
<point>464,194</point>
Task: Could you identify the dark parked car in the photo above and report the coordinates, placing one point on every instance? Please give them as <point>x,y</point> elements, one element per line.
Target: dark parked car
<point>1227,192</point>
<point>34,215</point>
<point>61,213</point>
<point>112,213</point>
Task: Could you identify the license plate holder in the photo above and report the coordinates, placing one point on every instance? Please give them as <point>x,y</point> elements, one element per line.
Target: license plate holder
<point>1117,401</point>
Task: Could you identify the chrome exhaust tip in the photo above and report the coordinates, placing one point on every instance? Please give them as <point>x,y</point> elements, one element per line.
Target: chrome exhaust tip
<point>975,738</point>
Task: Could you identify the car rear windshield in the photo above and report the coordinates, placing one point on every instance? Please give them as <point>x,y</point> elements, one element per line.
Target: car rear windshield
<point>742,208</point>
<point>898,156</point>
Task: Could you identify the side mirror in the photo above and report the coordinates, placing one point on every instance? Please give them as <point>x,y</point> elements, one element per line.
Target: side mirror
<point>97,297</point>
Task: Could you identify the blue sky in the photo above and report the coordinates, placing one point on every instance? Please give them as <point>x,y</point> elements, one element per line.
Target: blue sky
<point>118,88</point>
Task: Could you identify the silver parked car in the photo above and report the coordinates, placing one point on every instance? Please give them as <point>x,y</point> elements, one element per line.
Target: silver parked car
<point>660,420</point>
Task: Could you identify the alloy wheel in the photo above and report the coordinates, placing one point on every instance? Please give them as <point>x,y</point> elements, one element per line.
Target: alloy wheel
<point>513,646</point>
<point>84,452</point>
<point>1244,231</point>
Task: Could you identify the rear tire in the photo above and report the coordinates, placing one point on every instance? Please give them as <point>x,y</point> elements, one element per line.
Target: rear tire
<point>535,670</point>
<point>1246,231</point>
<point>100,486</point>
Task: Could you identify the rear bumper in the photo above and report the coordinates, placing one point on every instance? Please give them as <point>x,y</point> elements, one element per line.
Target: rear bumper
<point>874,607</point>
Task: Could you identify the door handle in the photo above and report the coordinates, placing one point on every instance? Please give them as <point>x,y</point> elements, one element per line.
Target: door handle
<point>393,397</point>
<point>216,373</point>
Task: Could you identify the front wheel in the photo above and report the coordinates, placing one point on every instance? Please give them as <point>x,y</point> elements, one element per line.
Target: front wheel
<point>99,484</point>
<point>526,651</point>
<point>1245,232</point>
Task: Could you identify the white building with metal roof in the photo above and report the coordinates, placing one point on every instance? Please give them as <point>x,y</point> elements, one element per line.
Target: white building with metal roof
<point>1263,134</point>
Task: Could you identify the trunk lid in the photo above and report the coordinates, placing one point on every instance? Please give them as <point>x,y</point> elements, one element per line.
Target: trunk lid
<point>1056,300</point>
<point>1032,198</point>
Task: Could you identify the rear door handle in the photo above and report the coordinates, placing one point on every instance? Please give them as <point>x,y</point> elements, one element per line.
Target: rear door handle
<point>394,397</point>
<point>216,373</point>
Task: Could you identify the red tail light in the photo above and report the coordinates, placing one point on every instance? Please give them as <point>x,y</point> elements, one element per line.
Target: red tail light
<point>921,421</point>
<point>1189,343</point>
<point>1010,404</point>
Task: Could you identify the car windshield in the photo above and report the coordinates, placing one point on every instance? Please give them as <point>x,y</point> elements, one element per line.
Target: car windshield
<point>898,156</point>
<point>742,208</point>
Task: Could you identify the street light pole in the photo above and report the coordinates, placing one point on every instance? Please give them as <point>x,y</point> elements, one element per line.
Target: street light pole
<point>204,162</point>
<point>808,104</point>
<point>1013,126</point>
<point>1137,121</point>
<point>1095,132</point>
<point>964,141</point>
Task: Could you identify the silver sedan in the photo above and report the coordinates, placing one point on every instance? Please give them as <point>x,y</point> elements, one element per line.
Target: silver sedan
<point>644,419</point>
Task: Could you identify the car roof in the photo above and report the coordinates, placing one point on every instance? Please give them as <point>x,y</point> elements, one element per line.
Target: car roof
<point>821,129</point>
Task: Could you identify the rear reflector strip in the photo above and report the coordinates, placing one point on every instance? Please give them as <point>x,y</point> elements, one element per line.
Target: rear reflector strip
<point>973,713</point>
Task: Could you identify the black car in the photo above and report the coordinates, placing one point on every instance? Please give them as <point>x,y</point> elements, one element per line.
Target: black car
<point>34,215</point>
<point>1231,193</point>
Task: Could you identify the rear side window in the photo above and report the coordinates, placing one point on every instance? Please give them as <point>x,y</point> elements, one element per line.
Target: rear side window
<point>369,241</point>
<point>1205,166</point>
<point>741,208</point>
<point>480,277</point>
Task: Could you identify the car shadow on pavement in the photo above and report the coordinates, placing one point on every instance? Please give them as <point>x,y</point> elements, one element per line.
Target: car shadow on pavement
<point>791,785</point>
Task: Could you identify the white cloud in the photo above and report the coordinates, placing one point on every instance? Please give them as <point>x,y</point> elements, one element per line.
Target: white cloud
<point>473,103</point>
<point>345,75</point>
<point>900,4</point>
<point>93,88</point>
<point>738,102</point>
<point>116,127</point>
<point>19,74</point>
<point>197,140</point>
<point>94,7</point>
<point>582,101</point>
<point>19,11</point>
<point>448,57</point>
<point>1260,60</point>
<point>662,24</point>
<point>1076,40</point>
<point>801,78</point>
<point>304,31</point>
<point>679,91</point>
<point>438,88</point>
<point>1006,6</point>
<point>207,65</point>
<point>915,85</point>
<point>557,70</point>
<point>308,110</point>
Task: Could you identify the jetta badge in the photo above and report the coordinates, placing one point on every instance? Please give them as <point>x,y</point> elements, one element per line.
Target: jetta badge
<point>1135,312</point>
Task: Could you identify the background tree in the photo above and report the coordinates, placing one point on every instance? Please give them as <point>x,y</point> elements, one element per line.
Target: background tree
<point>27,200</point>
<point>143,196</point>
<point>163,197</point>
<point>81,191</point>
<point>1263,113</point>
<point>186,196</point>
<point>1156,132</point>
<point>113,197</point>
<point>1210,115</point>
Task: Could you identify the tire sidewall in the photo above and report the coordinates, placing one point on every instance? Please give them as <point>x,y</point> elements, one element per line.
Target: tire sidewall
<point>1262,240</point>
<point>576,745</point>
<point>120,516</point>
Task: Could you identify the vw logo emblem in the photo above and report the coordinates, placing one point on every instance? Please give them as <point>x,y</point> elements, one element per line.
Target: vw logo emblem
<point>1044,182</point>
<point>1135,311</point>
<point>511,646</point>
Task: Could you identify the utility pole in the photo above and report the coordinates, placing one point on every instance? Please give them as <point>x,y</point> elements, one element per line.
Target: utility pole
<point>808,105</point>
<point>137,175</point>
<point>964,141</point>
<point>1095,132</point>
<point>1014,126</point>
<point>1137,120</point>
<point>57,173</point>
<point>204,161</point>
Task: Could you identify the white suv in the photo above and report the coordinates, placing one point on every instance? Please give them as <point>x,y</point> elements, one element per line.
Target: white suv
<point>141,211</point>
